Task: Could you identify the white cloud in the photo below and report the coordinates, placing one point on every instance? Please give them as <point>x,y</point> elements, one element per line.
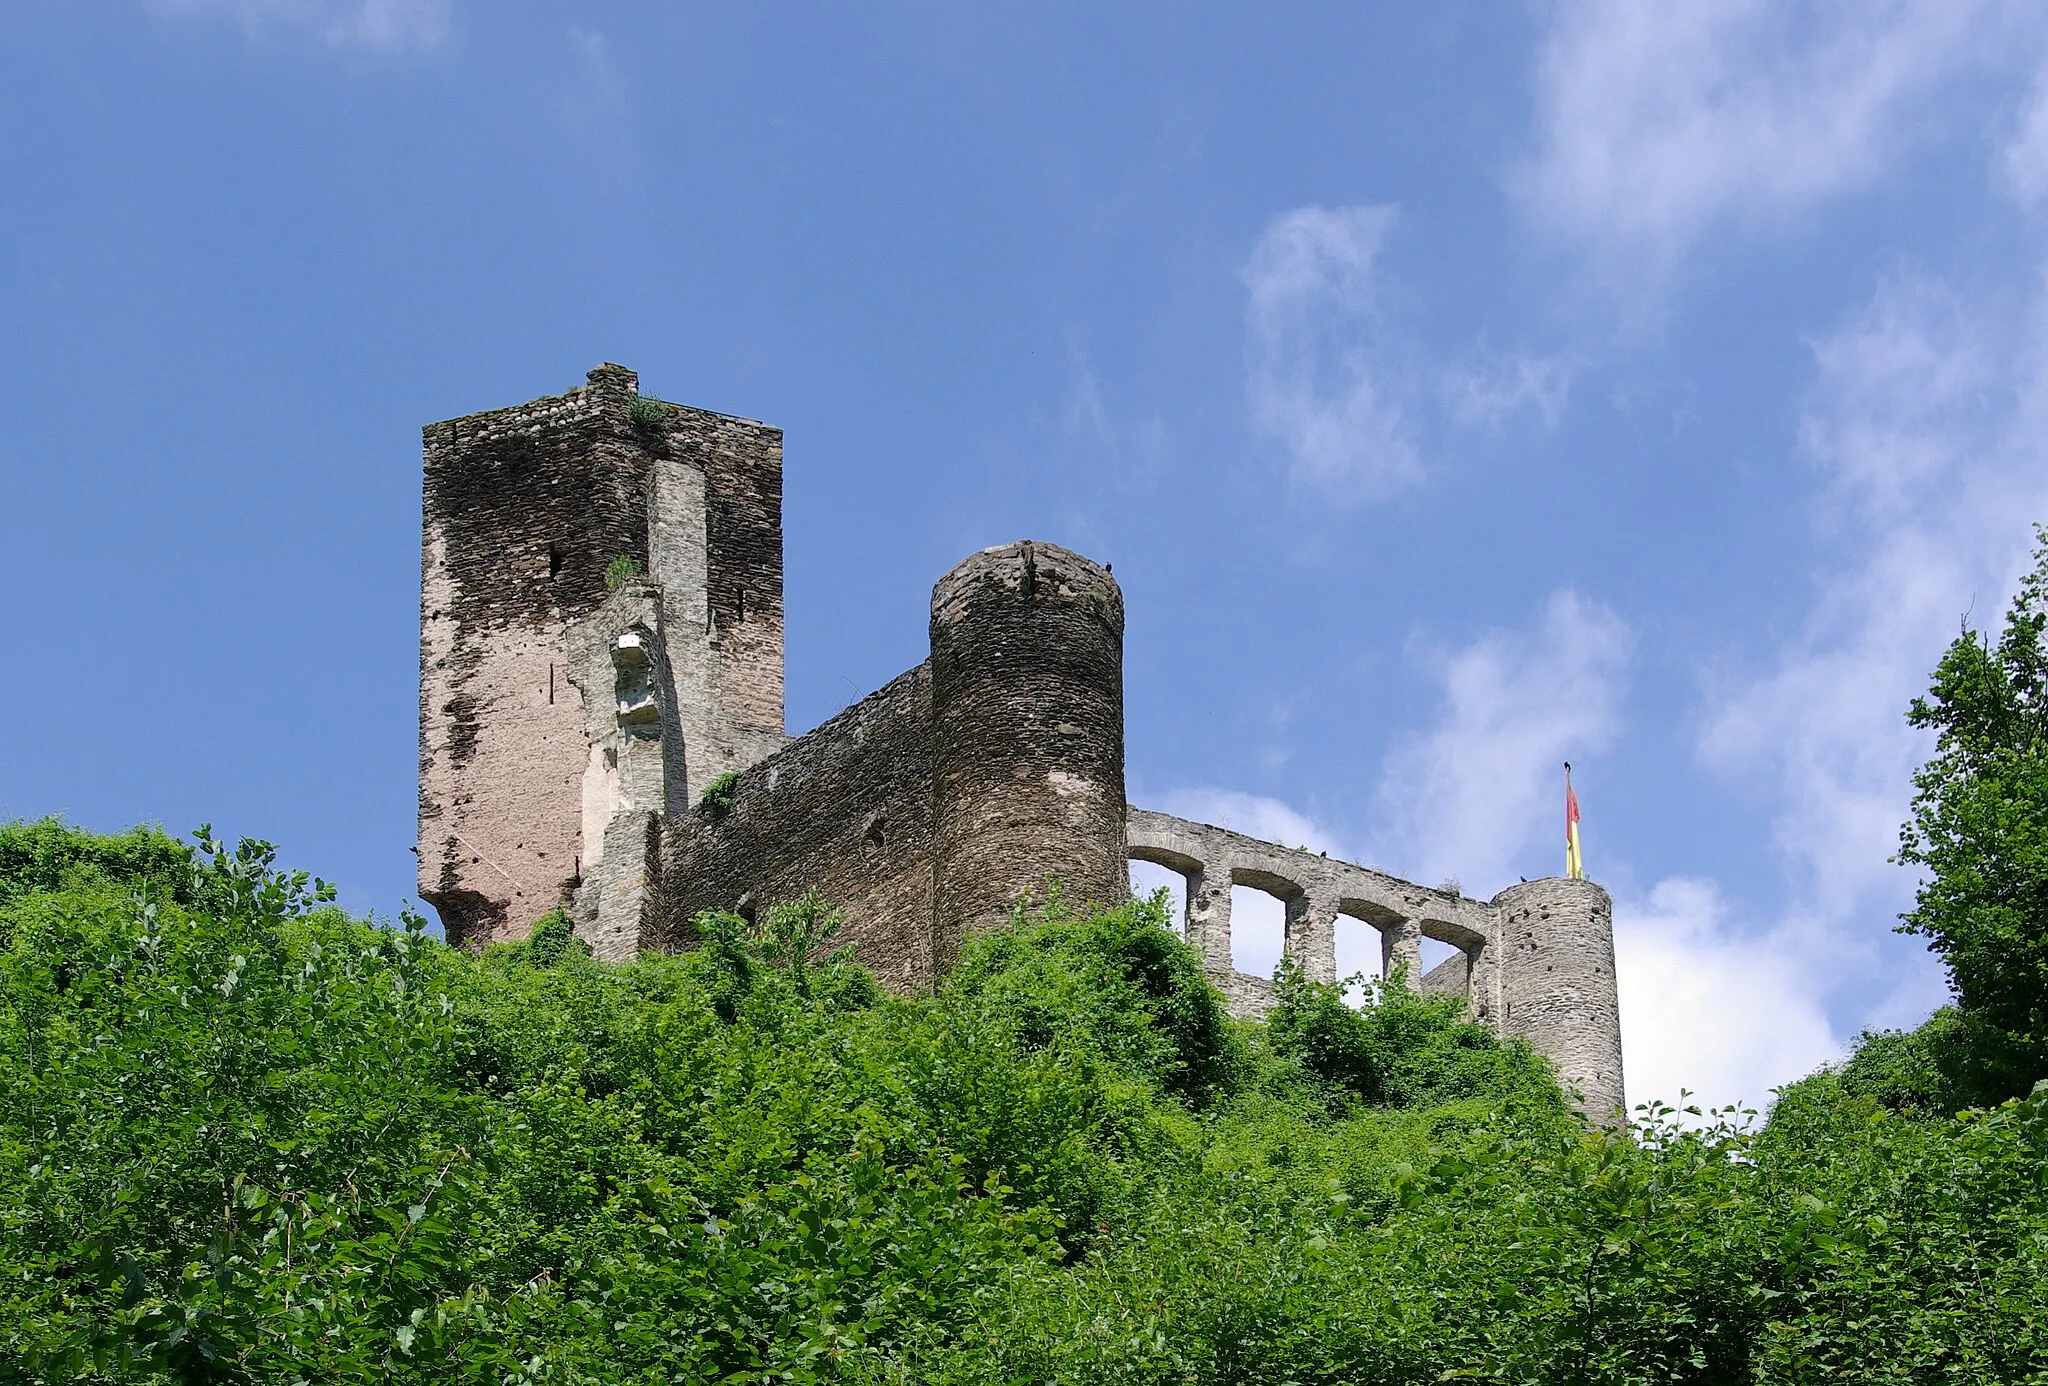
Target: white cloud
<point>390,24</point>
<point>1468,798</point>
<point>1326,376</point>
<point>2024,160</point>
<point>1925,423</point>
<point>1657,123</point>
<point>1253,815</point>
<point>1486,390</point>
<point>1708,1009</point>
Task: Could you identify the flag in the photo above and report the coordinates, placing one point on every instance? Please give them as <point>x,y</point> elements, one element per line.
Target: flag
<point>1574,865</point>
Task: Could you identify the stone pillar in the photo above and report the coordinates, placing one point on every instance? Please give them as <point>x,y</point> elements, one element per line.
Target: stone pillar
<point>1401,945</point>
<point>1312,936</point>
<point>1027,737</point>
<point>1482,996</point>
<point>1554,955</point>
<point>626,888</point>
<point>1208,926</point>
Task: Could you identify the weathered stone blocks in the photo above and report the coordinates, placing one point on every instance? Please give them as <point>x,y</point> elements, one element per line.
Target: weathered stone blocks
<point>524,509</point>
<point>1027,736</point>
<point>1555,985</point>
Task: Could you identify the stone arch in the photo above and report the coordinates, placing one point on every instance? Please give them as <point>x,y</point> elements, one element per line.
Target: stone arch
<point>1180,864</point>
<point>1449,971</point>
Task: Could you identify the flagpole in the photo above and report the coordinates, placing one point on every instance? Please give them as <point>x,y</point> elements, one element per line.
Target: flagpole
<point>1574,863</point>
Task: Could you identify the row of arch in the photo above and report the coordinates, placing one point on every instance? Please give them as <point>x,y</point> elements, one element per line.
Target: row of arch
<point>1314,891</point>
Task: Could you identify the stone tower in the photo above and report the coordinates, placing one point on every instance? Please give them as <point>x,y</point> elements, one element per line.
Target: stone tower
<point>1027,736</point>
<point>1554,984</point>
<point>524,763</point>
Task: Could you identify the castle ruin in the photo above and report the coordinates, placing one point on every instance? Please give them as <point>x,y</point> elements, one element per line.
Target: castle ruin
<point>569,730</point>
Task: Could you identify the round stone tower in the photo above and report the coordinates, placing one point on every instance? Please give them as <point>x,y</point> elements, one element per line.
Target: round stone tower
<point>1555,978</point>
<point>1027,737</point>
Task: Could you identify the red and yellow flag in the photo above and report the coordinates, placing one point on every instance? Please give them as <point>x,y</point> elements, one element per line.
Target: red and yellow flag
<point>1574,864</point>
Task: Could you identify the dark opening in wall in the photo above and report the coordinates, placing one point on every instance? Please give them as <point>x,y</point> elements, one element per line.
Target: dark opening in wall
<point>554,562</point>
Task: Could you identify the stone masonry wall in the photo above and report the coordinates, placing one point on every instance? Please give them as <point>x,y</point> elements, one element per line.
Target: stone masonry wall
<point>845,809</point>
<point>1555,983</point>
<point>716,549</point>
<point>633,780</point>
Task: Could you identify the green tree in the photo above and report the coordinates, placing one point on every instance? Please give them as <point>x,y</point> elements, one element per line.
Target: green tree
<point>1980,829</point>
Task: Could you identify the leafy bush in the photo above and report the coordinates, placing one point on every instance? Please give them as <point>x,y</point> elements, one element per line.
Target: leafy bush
<point>552,939</point>
<point>1115,984</point>
<point>47,855</point>
<point>244,1138</point>
<point>1398,1049</point>
<point>716,800</point>
<point>622,570</point>
<point>1904,1071</point>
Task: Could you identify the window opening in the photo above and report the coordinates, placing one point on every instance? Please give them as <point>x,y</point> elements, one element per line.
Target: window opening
<point>1358,950</point>
<point>1258,930</point>
<point>1434,951</point>
<point>1147,877</point>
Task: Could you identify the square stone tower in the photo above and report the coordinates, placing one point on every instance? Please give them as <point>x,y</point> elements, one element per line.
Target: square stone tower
<point>560,717</point>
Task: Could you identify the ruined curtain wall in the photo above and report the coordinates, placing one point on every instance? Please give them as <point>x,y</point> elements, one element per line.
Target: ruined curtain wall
<point>846,809</point>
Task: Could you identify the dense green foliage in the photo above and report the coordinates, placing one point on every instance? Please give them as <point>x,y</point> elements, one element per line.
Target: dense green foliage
<point>44,857</point>
<point>1980,828</point>
<point>244,1138</point>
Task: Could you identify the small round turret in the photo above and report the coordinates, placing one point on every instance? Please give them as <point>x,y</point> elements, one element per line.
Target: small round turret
<point>1028,736</point>
<point>1554,969</point>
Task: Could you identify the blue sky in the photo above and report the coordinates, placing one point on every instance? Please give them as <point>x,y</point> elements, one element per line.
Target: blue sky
<point>1457,389</point>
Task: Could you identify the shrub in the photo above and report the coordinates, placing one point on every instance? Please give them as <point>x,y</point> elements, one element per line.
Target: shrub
<point>1116,982</point>
<point>1398,1048</point>
<point>1902,1071</point>
<point>647,412</point>
<point>552,939</point>
<point>245,1138</point>
<point>622,570</point>
<point>49,854</point>
<point>716,800</point>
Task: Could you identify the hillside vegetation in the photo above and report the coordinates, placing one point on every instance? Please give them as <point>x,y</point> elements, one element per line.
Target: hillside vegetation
<point>245,1138</point>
